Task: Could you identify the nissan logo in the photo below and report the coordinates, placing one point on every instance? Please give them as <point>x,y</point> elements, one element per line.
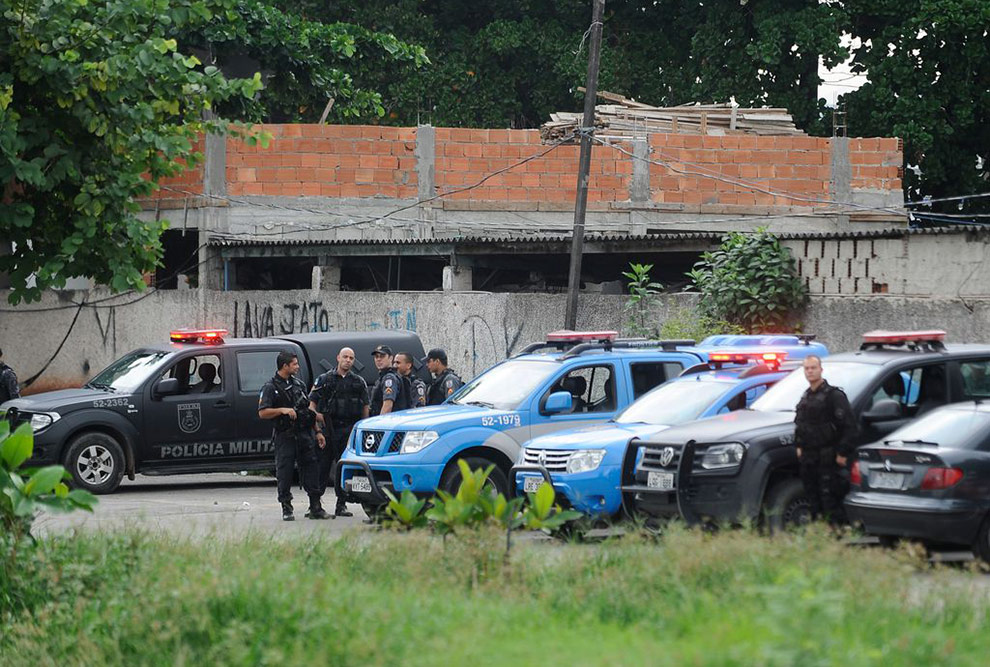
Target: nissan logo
<point>666,456</point>
<point>369,442</point>
<point>886,465</point>
<point>543,458</point>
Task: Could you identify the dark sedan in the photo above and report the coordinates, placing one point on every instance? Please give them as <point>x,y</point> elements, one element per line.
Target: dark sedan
<point>929,480</point>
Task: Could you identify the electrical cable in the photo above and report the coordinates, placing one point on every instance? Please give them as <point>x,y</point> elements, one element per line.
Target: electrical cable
<point>72,325</point>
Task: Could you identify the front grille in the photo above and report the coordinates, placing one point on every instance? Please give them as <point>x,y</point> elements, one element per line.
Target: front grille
<point>656,457</point>
<point>370,441</point>
<point>396,443</point>
<point>554,460</point>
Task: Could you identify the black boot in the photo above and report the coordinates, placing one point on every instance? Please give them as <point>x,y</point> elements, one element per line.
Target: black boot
<point>318,512</point>
<point>341,510</point>
<point>287,514</point>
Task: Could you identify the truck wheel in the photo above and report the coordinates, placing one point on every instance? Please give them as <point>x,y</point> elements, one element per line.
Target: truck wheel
<point>451,480</point>
<point>96,462</point>
<point>982,545</point>
<point>786,506</point>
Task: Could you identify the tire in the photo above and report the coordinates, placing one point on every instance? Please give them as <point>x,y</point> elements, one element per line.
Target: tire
<point>981,548</point>
<point>451,479</point>
<point>786,506</point>
<point>96,462</point>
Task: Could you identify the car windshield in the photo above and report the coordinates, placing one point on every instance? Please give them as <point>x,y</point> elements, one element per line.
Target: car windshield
<point>507,385</point>
<point>850,376</point>
<point>951,428</point>
<point>127,373</point>
<point>673,403</point>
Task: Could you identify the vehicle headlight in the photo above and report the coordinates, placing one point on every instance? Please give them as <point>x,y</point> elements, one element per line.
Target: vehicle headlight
<point>723,456</point>
<point>42,420</point>
<point>585,460</point>
<point>416,440</point>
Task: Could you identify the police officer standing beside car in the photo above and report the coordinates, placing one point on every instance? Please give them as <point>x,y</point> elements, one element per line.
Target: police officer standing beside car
<point>389,393</point>
<point>445,381</point>
<point>417,388</point>
<point>824,432</point>
<point>8,382</point>
<point>284,400</point>
<point>340,399</point>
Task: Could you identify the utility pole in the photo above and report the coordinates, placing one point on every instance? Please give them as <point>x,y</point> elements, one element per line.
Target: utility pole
<point>584,164</point>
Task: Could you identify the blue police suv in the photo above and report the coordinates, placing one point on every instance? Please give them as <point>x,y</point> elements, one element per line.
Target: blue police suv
<point>585,464</point>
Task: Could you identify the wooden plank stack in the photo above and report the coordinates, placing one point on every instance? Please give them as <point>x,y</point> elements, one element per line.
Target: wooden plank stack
<point>626,119</point>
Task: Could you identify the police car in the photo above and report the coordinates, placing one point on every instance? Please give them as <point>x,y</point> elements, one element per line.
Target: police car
<point>571,379</point>
<point>585,464</point>
<point>187,405</point>
<point>743,465</point>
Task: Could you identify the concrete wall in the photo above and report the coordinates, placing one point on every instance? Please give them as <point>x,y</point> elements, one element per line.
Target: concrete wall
<point>477,329</point>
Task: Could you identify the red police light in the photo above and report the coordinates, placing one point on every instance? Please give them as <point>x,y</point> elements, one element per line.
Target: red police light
<point>880,336</point>
<point>772,359</point>
<point>567,336</point>
<point>206,336</point>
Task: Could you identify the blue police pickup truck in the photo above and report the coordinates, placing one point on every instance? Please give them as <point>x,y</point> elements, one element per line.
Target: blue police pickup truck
<point>182,406</point>
<point>572,379</point>
<point>585,464</point>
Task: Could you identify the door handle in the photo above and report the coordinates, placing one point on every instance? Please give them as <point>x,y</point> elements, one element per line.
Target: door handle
<point>220,405</point>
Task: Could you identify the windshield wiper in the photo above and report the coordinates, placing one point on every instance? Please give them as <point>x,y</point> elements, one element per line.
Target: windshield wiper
<point>912,442</point>
<point>483,404</point>
<point>99,385</point>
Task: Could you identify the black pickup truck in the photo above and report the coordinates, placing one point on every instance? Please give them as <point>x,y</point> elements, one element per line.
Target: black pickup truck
<point>183,406</point>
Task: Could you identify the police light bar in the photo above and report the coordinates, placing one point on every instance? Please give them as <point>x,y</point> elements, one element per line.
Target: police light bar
<point>895,337</point>
<point>206,336</point>
<point>768,358</point>
<point>567,336</point>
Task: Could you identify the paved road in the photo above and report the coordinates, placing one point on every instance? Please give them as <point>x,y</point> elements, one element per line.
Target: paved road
<point>220,503</point>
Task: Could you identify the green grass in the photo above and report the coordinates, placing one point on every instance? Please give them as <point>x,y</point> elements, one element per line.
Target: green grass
<point>413,599</point>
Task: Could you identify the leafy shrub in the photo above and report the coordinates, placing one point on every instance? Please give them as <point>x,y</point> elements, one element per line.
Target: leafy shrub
<point>643,295</point>
<point>750,281</point>
<point>691,324</point>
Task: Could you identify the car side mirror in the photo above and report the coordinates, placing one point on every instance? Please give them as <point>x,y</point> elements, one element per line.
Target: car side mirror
<point>557,402</point>
<point>166,387</point>
<point>884,410</point>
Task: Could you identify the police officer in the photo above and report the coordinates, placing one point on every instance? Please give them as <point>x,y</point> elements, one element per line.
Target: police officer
<point>824,433</point>
<point>417,388</point>
<point>8,382</point>
<point>340,398</point>
<point>389,393</point>
<point>284,400</point>
<point>445,381</point>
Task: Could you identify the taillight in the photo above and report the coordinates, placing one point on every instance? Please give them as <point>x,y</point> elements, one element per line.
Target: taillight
<point>941,478</point>
<point>854,475</point>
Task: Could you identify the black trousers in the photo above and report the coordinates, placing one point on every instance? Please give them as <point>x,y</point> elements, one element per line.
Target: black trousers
<point>328,456</point>
<point>292,450</point>
<point>823,484</point>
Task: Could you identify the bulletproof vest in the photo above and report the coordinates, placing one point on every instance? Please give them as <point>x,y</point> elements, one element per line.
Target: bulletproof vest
<point>343,397</point>
<point>403,393</point>
<point>813,424</point>
<point>437,391</point>
<point>292,394</point>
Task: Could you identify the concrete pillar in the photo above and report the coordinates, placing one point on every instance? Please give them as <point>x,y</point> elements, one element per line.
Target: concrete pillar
<point>639,186</point>
<point>326,275</point>
<point>458,279</point>
<point>426,145</point>
<point>841,177</point>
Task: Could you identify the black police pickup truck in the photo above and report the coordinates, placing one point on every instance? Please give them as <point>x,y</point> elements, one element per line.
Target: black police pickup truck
<point>189,405</point>
<point>753,474</point>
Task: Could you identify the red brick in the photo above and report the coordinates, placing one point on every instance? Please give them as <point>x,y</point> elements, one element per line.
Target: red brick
<point>749,142</point>
<point>329,190</point>
<point>306,175</point>
<point>309,160</point>
<point>329,161</point>
<point>290,159</point>
<point>367,161</point>
<point>498,136</point>
<point>252,189</point>
<point>350,161</point>
<point>461,134</point>
<point>310,190</point>
<point>709,141</point>
<point>291,130</point>
<point>805,157</point>
<point>473,150</point>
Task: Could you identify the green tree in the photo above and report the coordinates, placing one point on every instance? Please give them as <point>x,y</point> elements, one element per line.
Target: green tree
<point>928,63</point>
<point>96,105</point>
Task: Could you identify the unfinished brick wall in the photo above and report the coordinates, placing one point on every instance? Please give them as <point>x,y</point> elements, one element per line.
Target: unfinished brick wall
<point>355,161</point>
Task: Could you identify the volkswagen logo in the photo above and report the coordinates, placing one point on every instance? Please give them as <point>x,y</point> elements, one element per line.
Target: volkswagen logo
<point>369,442</point>
<point>543,457</point>
<point>666,456</point>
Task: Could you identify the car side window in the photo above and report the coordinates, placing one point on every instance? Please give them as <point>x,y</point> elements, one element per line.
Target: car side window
<point>918,390</point>
<point>754,393</point>
<point>201,374</point>
<point>592,389</point>
<point>975,379</point>
<point>254,369</point>
<point>647,375</point>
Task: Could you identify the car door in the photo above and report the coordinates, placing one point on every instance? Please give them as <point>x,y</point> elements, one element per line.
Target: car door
<point>253,368</point>
<point>917,390</point>
<point>598,391</point>
<point>196,426</point>
<point>740,397</point>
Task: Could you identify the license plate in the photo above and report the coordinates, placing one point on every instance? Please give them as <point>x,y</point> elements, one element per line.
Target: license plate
<point>664,481</point>
<point>532,484</point>
<point>360,485</point>
<point>886,480</point>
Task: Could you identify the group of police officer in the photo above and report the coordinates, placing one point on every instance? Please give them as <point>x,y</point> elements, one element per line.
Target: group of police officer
<point>312,427</point>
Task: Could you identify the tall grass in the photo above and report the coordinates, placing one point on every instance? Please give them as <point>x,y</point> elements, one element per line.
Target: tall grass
<point>413,599</point>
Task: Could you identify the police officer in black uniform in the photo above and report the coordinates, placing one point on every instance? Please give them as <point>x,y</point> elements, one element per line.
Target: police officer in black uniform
<point>284,400</point>
<point>445,381</point>
<point>8,382</point>
<point>824,434</point>
<point>389,393</point>
<point>403,365</point>
<point>340,399</point>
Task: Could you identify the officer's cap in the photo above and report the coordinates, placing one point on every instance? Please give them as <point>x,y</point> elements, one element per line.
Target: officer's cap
<point>438,354</point>
<point>382,349</point>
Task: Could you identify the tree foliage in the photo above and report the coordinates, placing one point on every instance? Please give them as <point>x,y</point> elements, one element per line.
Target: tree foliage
<point>750,281</point>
